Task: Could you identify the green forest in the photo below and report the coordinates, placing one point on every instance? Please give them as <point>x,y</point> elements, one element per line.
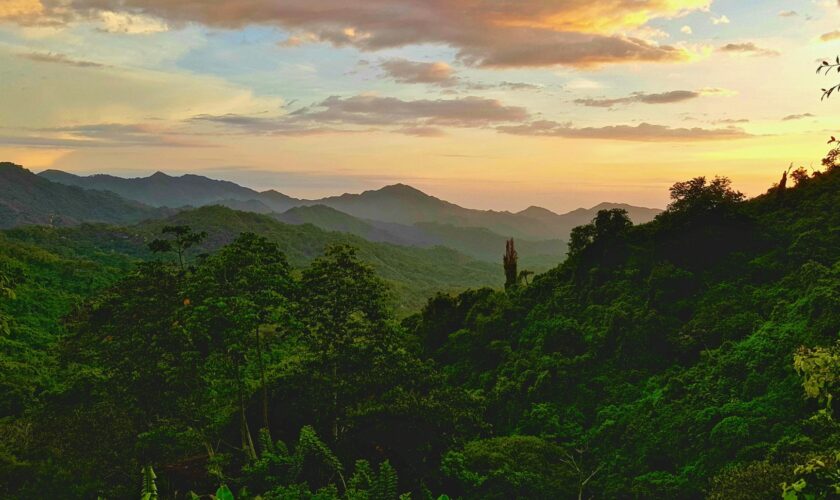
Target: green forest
<point>218,354</point>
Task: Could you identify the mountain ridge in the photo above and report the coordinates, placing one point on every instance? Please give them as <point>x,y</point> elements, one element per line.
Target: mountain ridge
<point>396,203</point>
<point>26,198</point>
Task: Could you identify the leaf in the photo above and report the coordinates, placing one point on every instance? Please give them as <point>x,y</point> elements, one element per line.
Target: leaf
<point>224,493</point>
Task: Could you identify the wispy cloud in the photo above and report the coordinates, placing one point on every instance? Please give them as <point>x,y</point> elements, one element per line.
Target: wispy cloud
<point>830,36</point>
<point>748,48</point>
<point>405,71</point>
<point>642,98</point>
<point>422,117</point>
<point>101,135</point>
<point>789,118</point>
<point>50,57</point>
<point>644,132</point>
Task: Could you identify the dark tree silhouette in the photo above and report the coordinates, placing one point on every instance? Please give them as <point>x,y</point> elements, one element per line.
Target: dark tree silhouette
<point>510,261</point>
<point>827,67</point>
<point>183,238</point>
<point>697,194</point>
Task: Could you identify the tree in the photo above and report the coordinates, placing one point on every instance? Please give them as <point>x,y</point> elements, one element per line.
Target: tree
<point>509,260</point>
<point>232,295</point>
<point>133,378</point>
<point>580,238</point>
<point>830,161</point>
<point>342,305</point>
<point>827,67</point>
<point>605,227</point>
<point>512,467</point>
<point>181,239</point>
<point>819,476</point>
<point>697,194</point>
<point>9,279</point>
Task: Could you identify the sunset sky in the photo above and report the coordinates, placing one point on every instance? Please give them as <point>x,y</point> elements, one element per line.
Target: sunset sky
<point>487,103</point>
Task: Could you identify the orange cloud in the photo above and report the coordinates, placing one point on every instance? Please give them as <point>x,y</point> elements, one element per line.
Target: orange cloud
<point>490,33</point>
<point>20,8</point>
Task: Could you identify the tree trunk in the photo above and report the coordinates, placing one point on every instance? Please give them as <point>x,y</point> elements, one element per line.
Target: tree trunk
<point>261,366</point>
<point>247,441</point>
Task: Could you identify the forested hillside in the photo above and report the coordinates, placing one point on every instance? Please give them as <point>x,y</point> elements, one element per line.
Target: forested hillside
<point>693,356</point>
<point>413,274</point>
<point>26,198</point>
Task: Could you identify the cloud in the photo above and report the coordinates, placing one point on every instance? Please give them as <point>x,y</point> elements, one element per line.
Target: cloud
<point>100,135</point>
<point>644,132</point>
<point>117,22</point>
<point>731,121</point>
<point>422,131</point>
<point>788,13</point>
<point>642,98</point>
<point>487,33</point>
<point>747,48</point>
<point>687,30</point>
<point>422,117</point>
<point>830,36</point>
<point>720,20</point>
<point>20,9</point>
<point>50,57</point>
<point>518,86</point>
<point>405,71</point>
<point>376,110</point>
<point>789,118</point>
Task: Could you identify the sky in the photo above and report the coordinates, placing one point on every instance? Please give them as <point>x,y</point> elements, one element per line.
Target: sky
<point>496,104</point>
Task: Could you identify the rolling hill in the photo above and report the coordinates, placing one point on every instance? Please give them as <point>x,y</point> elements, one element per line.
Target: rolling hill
<point>414,273</point>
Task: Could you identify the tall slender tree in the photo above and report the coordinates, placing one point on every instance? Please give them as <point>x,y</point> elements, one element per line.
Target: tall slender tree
<point>509,260</point>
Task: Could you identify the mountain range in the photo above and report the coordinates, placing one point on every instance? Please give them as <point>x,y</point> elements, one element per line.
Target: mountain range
<point>29,199</point>
<point>397,214</point>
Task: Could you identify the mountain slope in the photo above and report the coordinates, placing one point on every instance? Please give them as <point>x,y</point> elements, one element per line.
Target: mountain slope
<point>160,189</point>
<point>666,349</point>
<point>26,198</point>
<point>396,204</point>
<point>406,205</point>
<point>477,242</point>
<point>414,273</point>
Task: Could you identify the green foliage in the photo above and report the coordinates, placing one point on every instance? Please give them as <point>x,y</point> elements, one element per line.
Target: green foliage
<point>148,489</point>
<point>365,484</point>
<point>661,361</point>
<point>510,467</point>
<point>749,481</point>
<point>820,370</point>
<point>605,228</point>
<point>180,239</point>
<point>223,493</point>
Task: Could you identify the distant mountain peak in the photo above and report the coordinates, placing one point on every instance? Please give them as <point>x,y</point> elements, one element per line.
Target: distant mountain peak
<point>535,210</point>
<point>401,188</point>
<point>159,175</point>
<point>7,165</point>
